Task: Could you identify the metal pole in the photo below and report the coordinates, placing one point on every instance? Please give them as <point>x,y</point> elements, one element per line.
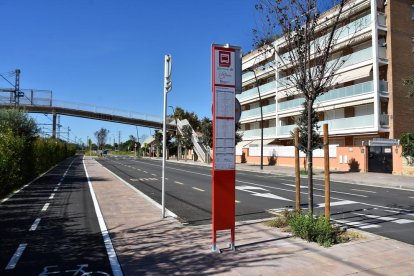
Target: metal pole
<point>167,87</point>
<point>261,120</point>
<point>297,169</point>
<point>327,178</point>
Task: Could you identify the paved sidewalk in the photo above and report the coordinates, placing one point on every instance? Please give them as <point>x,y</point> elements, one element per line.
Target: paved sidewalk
<point>147,244</point>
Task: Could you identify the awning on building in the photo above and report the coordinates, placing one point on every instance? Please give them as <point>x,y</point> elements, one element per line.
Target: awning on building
<point>257,143</point>
<point>242,144</point>
<point>354,74</point>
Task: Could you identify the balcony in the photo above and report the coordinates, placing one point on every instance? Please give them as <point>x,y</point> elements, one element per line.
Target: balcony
<point>259,71</point>
<point>252,93</point>
<point>382,53</point>
<point>383,88</point>
<point>267,109</point>
<point>343,92</point>
<point>269,132</point>
<point>384,120</point>
<point>382,20</point>
<point>348,30</point>
<point>351,59</point>
<point>358,122</point>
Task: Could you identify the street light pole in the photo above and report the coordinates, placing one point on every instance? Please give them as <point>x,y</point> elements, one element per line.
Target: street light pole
<point>261,119</point>
<point>167,88</point>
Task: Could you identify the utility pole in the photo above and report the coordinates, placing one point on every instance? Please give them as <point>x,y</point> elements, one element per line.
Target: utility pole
<point>119,139</point>
<point>17,88</point>
<point>59,126</point>
<point>68,134</point>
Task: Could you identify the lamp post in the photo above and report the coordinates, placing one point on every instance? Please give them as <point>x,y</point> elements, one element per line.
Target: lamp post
<point>261,119</point>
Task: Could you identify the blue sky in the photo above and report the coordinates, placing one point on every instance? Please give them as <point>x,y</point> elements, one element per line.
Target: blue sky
<point>111,53</point>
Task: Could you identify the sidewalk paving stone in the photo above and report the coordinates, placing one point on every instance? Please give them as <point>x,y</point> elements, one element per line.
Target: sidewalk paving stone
<point>148,245</point>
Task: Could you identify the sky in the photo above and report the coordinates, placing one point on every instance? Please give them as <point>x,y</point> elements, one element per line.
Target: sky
<point>111,53</point>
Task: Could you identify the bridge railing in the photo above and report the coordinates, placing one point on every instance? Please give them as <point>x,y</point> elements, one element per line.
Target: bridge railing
<point>106,110</point>
<point>44,98</point>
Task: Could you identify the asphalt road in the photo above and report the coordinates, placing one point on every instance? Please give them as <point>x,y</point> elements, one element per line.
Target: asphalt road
<point>51,227</point>
<point>383,211</point>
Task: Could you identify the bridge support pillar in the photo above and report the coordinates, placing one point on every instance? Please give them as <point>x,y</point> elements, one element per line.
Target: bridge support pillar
<point>54,125</point>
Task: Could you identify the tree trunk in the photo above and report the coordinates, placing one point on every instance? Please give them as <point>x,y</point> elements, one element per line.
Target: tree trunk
<point>309,159</point>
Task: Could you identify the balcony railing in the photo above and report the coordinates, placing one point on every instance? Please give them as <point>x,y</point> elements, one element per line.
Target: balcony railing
<point>342,32</point>
<point>384,120</point>
<point>267,109</point>
<point>259,71</point>
<point>348,91</point>
<point>351,59</point>
<point>269,132</point>
<point>382,52</point>
<point>337,124</point>
<point>382,19</point>
<point>252,93</point>
<point>383,88</point>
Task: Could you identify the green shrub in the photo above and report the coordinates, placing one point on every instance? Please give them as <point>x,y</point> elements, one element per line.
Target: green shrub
<point>23,155</point>
<point>310,228</point>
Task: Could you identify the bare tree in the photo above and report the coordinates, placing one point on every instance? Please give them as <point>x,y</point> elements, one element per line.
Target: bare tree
<point>101,136</point>
<point>305,54</point>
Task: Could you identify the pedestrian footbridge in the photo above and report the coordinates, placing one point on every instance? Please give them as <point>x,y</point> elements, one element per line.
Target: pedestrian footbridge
<point>40,101</point>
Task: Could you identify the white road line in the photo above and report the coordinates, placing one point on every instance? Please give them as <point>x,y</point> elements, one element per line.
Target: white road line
<point>59,184</point>
<point>144,171</point>
<point>396,220</point>
<point>365,191</point>
<point>337,203</point>
<point>35,224</point>
<point>52,196</point>
<point>55,189</point>
<point>411,196</point>
<point>153,174</point>
<point>237,201</point>
<point>391,211</point>
<point>19,252</point>
<point>358,224</point>
<point>45,207</point>
<point>178,182</point>
<point>113,260</point>
<point>195,188</point>
<point>332,191</point>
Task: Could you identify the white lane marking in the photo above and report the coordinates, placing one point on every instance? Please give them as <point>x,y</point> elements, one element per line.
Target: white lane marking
<point>272,196</point>
<point>292,191</point>
<point>396,220</point>
<point>338,203</point>
<point>144,171</point>
<point>237,201</point>
<point>332,191</point>
<point>35,224</point>
<point>153,174</point>
<point>178,182</point>
<point>40,176</point>
<point>391,211</point>
<point>52,196</point>
<point>58,184</point>
<point>45,207</point>
<point>293,185</point>
<point>55,189</point>
<point>247,188</point>
<point>411,196</point>
<point>365,191</point>
<point>113,260</point>
<point>198,189</point>
<point>134,179</point>
<point>19,252</point>
<point>358,224</point>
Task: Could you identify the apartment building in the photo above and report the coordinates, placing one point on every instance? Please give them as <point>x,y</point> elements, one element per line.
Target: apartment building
<point>367,99</point>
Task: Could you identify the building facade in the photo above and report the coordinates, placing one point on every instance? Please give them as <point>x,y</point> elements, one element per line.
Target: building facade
<point>367,99</point>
